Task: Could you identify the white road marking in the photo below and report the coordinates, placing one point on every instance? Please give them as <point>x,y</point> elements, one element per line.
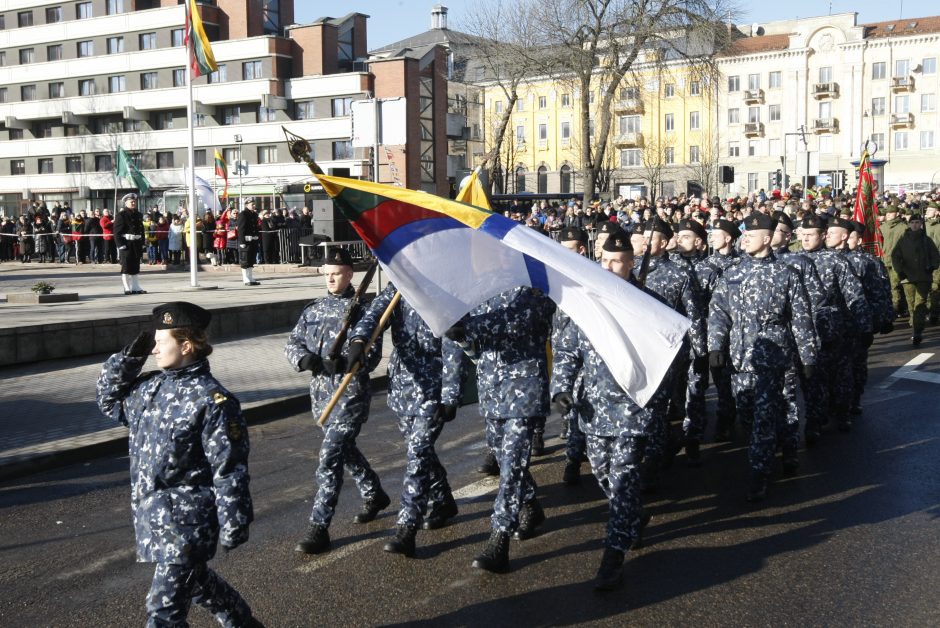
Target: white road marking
<point>113,557</point>
<point>908,371</point>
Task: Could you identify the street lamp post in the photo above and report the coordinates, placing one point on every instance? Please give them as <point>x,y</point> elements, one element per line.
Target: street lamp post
<point>802,134</point>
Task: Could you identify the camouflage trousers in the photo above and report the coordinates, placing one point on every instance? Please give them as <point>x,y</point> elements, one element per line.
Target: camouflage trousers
<point>762,409</point>
<point>175,587</point>
<point>337,452</point>
<point>788,433</point>
<point>538,424</point>
<point>829,392</point>
<point>615,461</point>
<point>575,445</point>
<point>681,368</point>
<point>425,483</point>
<point>659,434</point>
<point>695,419</point>
<point>510,440</point>
<point>725,410</point>
<point>859,370</point>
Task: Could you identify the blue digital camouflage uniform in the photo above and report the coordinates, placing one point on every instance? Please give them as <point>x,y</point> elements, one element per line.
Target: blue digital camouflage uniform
<point>673,285</point>
<point>188,448</point>
<point>565,335</point>
<point>509,332</point>
<point>616,429</point>
<point>423,373</point>
<point>722,375</point>
<point>760,311</point>
<point>829,393</point>
<point>873,275</point>
<point>315,332</point>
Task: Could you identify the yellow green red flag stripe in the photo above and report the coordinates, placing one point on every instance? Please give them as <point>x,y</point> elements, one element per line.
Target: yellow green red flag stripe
<point>201,59</point>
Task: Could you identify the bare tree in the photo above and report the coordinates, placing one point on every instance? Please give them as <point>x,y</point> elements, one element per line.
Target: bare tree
<point>655,160</point>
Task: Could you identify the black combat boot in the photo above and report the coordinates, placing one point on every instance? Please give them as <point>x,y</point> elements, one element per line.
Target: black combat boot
<point>693,455</point>
<point>372,507</point>
<point>757,489</point>
<point>403,543</point>
<point>495,556</point>
<point>791,461</point>
<point>610,574</point>
<point>531,516</point>
<point>572,474</point>
<point>489,466</point>
<point>538,444</point>
<point>316,541</point>
<point>441,513</point>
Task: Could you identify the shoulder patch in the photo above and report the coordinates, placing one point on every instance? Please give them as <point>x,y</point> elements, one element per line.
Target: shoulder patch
<point>219,397</point>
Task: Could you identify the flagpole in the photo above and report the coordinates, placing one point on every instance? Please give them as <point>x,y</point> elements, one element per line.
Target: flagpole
<point>191,183</point>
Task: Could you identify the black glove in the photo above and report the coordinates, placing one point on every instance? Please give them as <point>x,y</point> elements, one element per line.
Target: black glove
<point>457,333</point>
<point>700,364</point>
<point>354,355</point>
<point>331,367</point>
<point>716,359</point>
<point>311,362</point>
<point>445,413</point>
<point>564,400</point>
<point>887,328</point>
<point>866,339</point>
<point>809,370</point>
<point>141,346</point>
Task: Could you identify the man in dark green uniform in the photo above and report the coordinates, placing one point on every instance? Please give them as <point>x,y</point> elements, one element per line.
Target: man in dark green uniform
<point>933,232</point>
<point>892,229</point>
<point>914,258</point>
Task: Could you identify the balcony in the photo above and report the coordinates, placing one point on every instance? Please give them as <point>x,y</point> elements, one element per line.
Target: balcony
<point>902,84</point>
<point>631,140</point>
<point>630,105</point>
<point>754,97</point>
<point>902,120</point>
<point>825,125</point>
<point>826,90</point>
<point>754,129</point>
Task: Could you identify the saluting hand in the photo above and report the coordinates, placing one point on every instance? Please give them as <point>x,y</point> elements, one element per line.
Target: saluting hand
<point>141,346</point>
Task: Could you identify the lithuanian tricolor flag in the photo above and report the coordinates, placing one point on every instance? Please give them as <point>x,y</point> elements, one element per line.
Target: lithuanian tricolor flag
<point>221,170</point>
<point>201,59</point>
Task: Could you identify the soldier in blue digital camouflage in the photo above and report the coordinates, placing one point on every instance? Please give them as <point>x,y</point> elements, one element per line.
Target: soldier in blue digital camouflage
<point>424,391</point>
<point>722,237</point>
<point>615,426</point>
<point>830,393</point>
<point>674,286</point>
<point>308,349</point>
<point>760,313</point>
<point>188,447</point>
<point>509,333</point>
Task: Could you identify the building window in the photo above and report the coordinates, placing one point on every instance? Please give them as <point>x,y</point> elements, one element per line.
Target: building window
<point>148,41</point>
<point>630,93</point>
<point>774,111</point>
<point>304,110</point>
<point>116,84</point>
<point>878,70</point>
<point>162,120</point>
<point>342,149</point>
<point>177,37</point>
<point>629,124</point>
<point>43,129</point>
<point>266,115</point>
<point>45,165</point>
<point>630,157</point>
<point>199,157</point>
<point>220,75</point>
<point>734,116</point>
<point>695,88</point>
<point>131,126</point>
<point>825,110</point>
<point>56,90</point>
<point>693,154</point>
<point>825,143</point>
<point>753,181</point>
<point>179,77</point>
<point>520,134</point>
<point>541,180</point>
<point>231,155</point>
<point>878,139</point>
<point>18,166</point>
<point>669,122</point>
<point>694,123</point>
<point>86,48</point>
<point>543,132</point>
<point>753,115</point>
<point>115,7</point>
<point>115,45</point>
<point>564,177</point>
<point>520,179</point>
<point>53,15</point>
<point>27,55</point>
<point>752,146</point>
<point>878,106</point>
<point>267,154</point>
<point>773,80</point>
<point>734,83</point>
<point>520,104</point>
<point>669,90</point>
<point>148,80</point>
<point>199,119</point>
<point>753,81</point>
<point>669,155</point>
<point>3,94</point>
<point>73,163</point>
<point>928,103</point>
<point>566,99</point>
<point>926,140</point>
<point>825,75</point>
<point>734,149</point>
<point>902,103</point>
<point>3,58</point>
<point>902,67</point>
<point>103,163</point>
<point>929,65</point>
<point>543,102</point>
<point>498,106</point>
<point>565,131</point>
<point>900,140</point>
<point>27,92</point>
<point>271,17</point>
<point>24,18</point>
<point>342,107</point>
<point>165,159</point>
<point>251,70</point>
<point>16,134</point>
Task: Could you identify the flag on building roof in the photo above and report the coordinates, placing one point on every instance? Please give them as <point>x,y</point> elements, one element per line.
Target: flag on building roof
<point>128,169</point>
<point>448,257</point>
<point>866,205</point>
<point>201,59</point>
<point>221,170</point>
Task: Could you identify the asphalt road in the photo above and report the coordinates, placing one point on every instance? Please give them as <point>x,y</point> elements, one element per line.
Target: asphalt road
<point>853,540</point>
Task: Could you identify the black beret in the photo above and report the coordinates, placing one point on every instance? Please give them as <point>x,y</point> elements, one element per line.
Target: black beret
<point>814,221</point>
<point>759,220</point>
<point>573,233</point>
<point>916,216</point>
<point>608,227</point>
<point>784,218</point>
<point>618,242</point>
<point>687,224</point>
<point>658,224</point>
<point>180,314</point>
<point>844,223</point>
<point>728,227</point>
<point>339,257</point>
<point>859,227</point>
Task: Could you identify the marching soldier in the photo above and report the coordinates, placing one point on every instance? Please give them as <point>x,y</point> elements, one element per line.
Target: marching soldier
<point>892,229</point>
<point>248,240</point>
<point>616,427</point>
<point>932,227</point>
<point>760,313</point>
<point>129,237</point>
<point>189,464</point>
<point>424,391</point>
<point>308,349</point>
<point>915,258</point>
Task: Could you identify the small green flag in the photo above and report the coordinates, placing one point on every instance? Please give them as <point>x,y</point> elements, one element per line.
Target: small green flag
<point>126,168</point>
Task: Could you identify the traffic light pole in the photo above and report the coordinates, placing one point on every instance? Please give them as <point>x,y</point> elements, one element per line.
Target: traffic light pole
<point>802,134</point>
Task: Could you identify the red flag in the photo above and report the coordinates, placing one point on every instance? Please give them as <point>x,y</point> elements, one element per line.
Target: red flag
<point>866,207</point>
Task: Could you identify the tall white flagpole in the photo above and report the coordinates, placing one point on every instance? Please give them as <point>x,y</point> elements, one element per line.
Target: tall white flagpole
<point>191,182</point>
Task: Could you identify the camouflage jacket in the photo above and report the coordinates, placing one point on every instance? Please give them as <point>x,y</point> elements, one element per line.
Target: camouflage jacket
<point>565,336</point>
<point>676,287</point>
<point>874,277</point>
<point>720,262</point>
<point>188,446</point>
<point>849,311</point>
<point>819,300</point>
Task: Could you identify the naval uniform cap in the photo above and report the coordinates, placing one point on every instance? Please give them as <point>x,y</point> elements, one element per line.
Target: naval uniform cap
<point>814,221</point>
<point>608,227</point>
<point>844,223</point>
<point>687,224</point>
<point>180,314</point>
<point>758,220</point>
<point>339,257</point>
<point>859,227</point>
<point>573,233</point>
<point>728,227</point>
<point>784,218</point>
<point>618,242</point>
<point>658,224</point>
